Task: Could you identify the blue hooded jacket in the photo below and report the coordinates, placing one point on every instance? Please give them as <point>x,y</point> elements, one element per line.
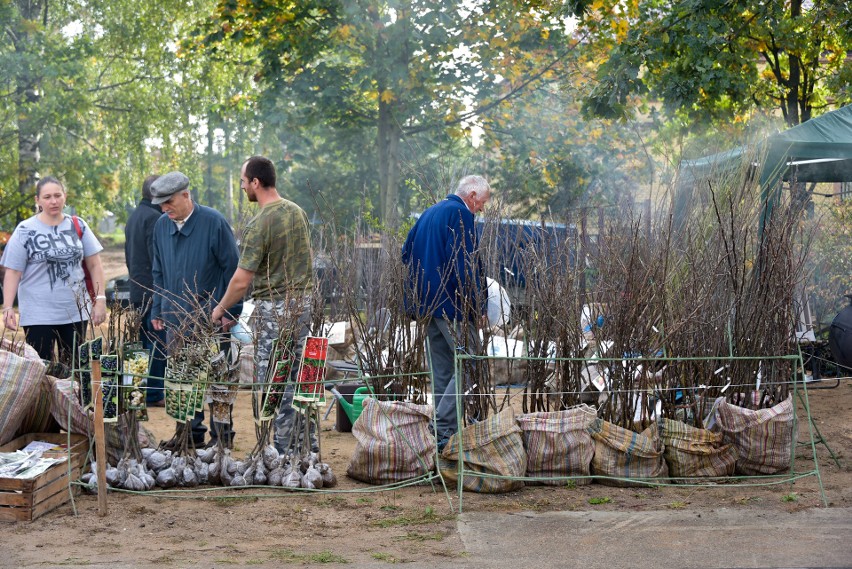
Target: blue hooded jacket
<point>442,267</point>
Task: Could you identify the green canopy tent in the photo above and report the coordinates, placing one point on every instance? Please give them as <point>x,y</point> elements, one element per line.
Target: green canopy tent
<point>819,150</point>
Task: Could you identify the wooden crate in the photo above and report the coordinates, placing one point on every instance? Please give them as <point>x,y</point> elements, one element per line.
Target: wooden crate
<point>26,500</point>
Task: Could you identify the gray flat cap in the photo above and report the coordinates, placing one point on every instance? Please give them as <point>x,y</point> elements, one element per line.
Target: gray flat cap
<point>166,186</point>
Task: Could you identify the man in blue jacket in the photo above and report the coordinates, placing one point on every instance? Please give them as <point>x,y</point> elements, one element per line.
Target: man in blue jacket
<point>195,256</point>
<point>446,284</point>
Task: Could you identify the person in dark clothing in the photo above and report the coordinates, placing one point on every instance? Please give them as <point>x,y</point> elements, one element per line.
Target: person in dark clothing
<point>139,254</point>
<point>442,270</point>
<point>195,256</point>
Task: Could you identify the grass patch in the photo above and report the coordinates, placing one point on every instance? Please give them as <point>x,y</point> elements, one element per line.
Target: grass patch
<point>428,516</point>
<point>390,508</point>
<point>602,500</point>
<point>225,501</point>
<point>792,497</point>
<point>676,505</point>
<point>140,510</point>
<point>326,557</point>
<point>115,239</point>
<point>290,556</point>
<point>747,499</point>
<point>451,554</point>
<point>364,501</point>
<point>415,536</point>
<point>332,501</point>
<point>386,557</point>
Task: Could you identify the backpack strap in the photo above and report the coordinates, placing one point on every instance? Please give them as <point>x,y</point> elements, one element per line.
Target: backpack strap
<point>77,227</point>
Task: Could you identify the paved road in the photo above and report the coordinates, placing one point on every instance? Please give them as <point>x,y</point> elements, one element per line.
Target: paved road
<point>718,539</point>
<point>677,539</point>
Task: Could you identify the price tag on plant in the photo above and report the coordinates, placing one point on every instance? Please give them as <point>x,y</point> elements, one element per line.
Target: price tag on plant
<point>280,374</point>
<point>88,351</point>
<point>134,381</point>
<point>109,387</point>
<point>174,380</point>
<point>310,387</point>
<point>85,375</point>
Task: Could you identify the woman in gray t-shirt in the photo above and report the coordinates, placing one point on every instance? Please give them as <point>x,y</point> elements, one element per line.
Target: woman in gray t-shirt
<point>44,267</point>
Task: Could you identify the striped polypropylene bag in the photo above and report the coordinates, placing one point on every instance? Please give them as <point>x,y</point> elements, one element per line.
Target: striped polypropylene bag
<point>622,453</point>
<point>39,418</point>
<point>392,442</point>
<point>493,446</point>
<point>66,408</point>
<point>21,371</point>
<point>763,438</point>
<point>692,452</point>
<point>558,444</point>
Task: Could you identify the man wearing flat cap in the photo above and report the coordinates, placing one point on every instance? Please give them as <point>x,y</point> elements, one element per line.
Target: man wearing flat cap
<point>194,257</point>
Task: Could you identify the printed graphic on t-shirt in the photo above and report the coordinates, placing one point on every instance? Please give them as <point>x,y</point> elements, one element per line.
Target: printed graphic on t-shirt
<point>62,250</point>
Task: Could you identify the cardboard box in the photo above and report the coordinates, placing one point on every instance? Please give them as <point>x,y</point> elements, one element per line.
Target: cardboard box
<point>26,500</point>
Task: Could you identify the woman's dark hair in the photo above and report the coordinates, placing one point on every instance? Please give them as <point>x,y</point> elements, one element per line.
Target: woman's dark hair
<point>261,168</point>
<point>48,180</point>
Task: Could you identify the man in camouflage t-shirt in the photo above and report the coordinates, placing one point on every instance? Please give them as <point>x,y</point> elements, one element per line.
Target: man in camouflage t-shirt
<point>275,259</point>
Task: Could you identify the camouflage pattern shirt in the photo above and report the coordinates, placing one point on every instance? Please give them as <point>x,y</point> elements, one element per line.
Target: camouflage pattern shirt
<point>276,247</point>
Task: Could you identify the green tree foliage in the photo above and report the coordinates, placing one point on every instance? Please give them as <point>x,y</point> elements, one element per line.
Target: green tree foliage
<point>551,160</point>
<point>96,93</point>
<point>717,61</point>
<point>395,72</point>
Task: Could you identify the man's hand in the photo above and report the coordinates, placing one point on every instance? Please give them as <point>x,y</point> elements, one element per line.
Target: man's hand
<point>218,314</point>
<point>158,324</point>
<point>220,317</point>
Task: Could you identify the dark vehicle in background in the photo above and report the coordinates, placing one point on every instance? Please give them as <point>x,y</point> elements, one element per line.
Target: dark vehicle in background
<point>510,238</point>
<point>118,290</point>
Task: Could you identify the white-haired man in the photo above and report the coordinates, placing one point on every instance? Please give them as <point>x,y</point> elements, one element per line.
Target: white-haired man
<point>447,285</point>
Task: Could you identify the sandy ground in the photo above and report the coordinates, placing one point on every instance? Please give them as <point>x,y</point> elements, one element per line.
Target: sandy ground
<point>356,524</point>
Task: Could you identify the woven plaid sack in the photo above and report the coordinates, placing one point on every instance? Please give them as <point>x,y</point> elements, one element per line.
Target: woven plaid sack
<point>692,452</point>
<point>21,371</point>
<point>763,438</point>
<point>558,444</point>
<point>493,446</point>
<point>623,453</point>
<point>39,419</point>
<point>66,408</point>
<point>392,442</point>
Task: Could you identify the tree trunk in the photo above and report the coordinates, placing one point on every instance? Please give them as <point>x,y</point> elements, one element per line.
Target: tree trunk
<point>794,80</point>
<point>208,175</point>
<point>229,167</point>
<point>29,142</point>
<point>388,141</point>
<point>27,95</point>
